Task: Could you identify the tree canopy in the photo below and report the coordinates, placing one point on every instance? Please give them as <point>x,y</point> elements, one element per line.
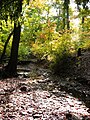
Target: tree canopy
<point>10,8</point>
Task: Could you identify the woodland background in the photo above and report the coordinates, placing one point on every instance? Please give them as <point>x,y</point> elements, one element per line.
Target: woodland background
<point>51,30</point>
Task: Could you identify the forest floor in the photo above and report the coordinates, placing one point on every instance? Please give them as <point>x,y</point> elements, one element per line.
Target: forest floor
<point>37,94</point>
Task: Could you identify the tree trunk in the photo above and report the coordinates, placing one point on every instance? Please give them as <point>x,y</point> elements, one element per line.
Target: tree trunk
<point>66,23</point>
<point>83,16</point>
<point>64,15</point>
<point>4,50</point>
<point>11,68</point>
<point>67,11</point>
<point>58,22</point>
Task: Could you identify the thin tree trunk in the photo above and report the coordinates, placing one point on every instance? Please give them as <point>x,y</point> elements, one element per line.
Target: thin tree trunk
<point>67,11</point>
<point>11,68</point>
<point>58,22</point>
<point>83,17</point>
<point>66,23</point>
<point>64,15</point>
<point>4,50</point>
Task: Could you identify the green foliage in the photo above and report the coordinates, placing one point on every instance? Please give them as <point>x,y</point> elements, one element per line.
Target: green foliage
<point>43,33</point>
<point>4,33</point>
<point>86,45</point>
<point>84,34</point>
<point>1,47</point>
<point>24,52</point>
<point>10,9</point>
<point>58,50</point>
<point>40,36</point>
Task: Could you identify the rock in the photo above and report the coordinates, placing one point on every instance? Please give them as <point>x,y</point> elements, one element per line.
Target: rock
<point>2,92</point>
<point>23,113</point>
<point>23,89</point>
<point>37,116</point>
<point>68,116</point>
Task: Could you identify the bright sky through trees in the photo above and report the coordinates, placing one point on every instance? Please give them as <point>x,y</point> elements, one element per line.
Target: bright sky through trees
<point>73,19</point>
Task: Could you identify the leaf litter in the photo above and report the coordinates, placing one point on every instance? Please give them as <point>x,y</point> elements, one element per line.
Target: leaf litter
<point>38,104</point>
<point>43,97</point>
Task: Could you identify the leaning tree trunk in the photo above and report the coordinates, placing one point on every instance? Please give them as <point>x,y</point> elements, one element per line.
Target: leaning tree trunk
<point>11,68</point>
<point>6,43</point>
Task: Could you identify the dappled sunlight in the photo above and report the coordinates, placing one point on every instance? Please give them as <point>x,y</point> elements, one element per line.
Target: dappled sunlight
<point>44,60</point>
<point>42,105</point>
<point>40,96</point>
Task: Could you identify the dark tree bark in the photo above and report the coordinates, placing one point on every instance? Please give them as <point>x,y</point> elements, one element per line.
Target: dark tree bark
<point>64,15</point>
<point>4,50</point>
<point>84,5</point>
<point>11,68</point>
<point>79,52</point>
<point>66,21</point>
<point>67,17</point>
